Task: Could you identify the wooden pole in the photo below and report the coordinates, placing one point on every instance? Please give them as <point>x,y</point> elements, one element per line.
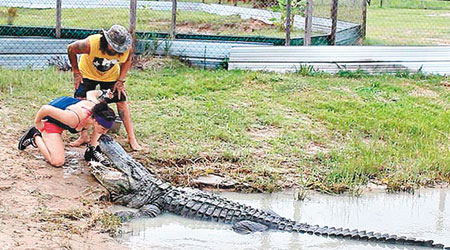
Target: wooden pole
<point>364,21</point>
<point>133,9</point>
<point>58,19</point>
<point>308,23</point>
<point>334,10</point>
<point>288,23</point>
<point>173,22</point>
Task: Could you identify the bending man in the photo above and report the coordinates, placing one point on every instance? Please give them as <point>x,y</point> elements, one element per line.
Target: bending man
<point>105,61</point>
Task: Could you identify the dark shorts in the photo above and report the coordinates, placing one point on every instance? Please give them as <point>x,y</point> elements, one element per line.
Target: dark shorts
<point>89,84</point>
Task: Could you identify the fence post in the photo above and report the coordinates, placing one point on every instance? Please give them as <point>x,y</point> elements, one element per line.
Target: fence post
<point>288,23</point>
<point>133,5</point>
<point>58,19</point>
<point>308,22</point>
<point>173,22</point>
<point>334,10</point>
<point>364,21</point>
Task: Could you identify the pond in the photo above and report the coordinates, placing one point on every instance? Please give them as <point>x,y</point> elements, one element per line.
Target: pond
<point>423,215</point>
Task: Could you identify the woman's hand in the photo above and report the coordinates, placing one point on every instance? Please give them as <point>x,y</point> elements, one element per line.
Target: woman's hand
<point>119,86</point>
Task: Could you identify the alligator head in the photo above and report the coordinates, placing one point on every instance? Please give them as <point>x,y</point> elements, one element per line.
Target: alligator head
<point>114,180</point>
<point>128,182</point>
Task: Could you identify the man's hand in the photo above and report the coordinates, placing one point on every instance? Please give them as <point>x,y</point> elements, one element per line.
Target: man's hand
<point>77,79</point>
<point>119,86</point>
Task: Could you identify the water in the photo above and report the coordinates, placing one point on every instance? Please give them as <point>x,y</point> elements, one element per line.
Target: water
<point>72,165</point>
<point>424,215</point>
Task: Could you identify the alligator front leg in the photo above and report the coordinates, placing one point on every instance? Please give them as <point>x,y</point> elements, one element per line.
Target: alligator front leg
<point>247,227</point>
<point>146,211</point>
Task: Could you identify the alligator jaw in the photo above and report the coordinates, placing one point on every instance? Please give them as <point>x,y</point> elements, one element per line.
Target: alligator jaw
<point>112,179</point>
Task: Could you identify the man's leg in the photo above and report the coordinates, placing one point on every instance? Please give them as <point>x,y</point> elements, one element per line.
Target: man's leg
<point>124,113</point>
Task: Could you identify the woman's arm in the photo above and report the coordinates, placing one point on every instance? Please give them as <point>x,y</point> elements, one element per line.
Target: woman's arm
<point>93,95</point>
<point>64,116</point>
<point>97,96</point>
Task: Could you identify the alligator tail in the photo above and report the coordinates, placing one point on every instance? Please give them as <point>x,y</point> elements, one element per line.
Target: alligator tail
<point>358,235</point>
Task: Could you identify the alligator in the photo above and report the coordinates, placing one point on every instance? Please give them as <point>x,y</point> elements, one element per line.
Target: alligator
<point>131,184</point>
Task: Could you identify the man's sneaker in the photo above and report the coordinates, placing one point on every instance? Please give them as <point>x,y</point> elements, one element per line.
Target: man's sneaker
<point>28,138</point>
<point>95,154</point>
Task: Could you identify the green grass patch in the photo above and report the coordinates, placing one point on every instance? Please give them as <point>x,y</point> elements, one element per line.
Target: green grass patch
<point>413,4</point>
<point>273,131</point>
<point>392,26</point>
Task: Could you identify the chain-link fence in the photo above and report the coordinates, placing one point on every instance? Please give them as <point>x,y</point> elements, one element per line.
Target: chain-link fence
<point>203,31</point>
<point>412,22</point>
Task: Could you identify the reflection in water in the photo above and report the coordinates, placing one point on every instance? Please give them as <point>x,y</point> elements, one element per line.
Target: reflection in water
<point>440,224</point>
<point>72,165</point>
<point>423,215</point>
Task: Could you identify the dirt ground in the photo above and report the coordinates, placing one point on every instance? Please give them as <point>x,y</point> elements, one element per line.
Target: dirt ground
<point>42,207</point>
<point>250,25</point>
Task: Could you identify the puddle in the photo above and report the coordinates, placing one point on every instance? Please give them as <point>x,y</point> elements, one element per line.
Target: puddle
<point>424,215</point>
<point>72,165</point>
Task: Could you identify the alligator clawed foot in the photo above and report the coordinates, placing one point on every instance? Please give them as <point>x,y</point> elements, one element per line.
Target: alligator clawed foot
<point>149,211</point>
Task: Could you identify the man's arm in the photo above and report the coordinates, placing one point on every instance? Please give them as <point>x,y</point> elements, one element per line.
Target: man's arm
<point>124,67</point>
<point>120,83</point>
<point>77,47</point>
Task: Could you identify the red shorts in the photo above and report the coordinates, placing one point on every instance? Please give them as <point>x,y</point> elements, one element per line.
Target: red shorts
<point>51,128</point>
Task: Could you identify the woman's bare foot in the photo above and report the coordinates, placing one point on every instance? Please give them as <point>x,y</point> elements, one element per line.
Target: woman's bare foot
<point>78,142</point>
<point>135,145</point>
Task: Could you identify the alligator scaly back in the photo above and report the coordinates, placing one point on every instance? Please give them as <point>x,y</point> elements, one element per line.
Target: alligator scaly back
<point>143,190</point>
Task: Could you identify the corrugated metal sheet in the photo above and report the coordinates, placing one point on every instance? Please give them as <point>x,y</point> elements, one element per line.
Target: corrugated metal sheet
<point>432,59</point>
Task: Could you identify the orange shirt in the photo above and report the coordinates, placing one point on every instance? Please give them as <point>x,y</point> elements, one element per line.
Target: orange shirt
<point>99,66</point>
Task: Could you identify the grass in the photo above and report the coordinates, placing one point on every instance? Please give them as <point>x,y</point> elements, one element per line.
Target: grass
<point>413,4</point>
<point>78,221</point>
<point>271,131</point>
<point>148,20</point>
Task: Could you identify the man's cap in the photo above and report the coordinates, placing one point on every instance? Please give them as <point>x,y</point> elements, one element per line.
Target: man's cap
<point>119,38</point>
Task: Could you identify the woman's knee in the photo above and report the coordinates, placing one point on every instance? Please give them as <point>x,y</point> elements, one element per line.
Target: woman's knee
<point>57,162</point>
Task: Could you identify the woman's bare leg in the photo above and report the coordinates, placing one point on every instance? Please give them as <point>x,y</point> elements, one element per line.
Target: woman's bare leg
<point>51,146</point>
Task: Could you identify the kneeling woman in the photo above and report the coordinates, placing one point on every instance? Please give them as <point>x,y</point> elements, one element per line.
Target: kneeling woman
<point>67,113</point>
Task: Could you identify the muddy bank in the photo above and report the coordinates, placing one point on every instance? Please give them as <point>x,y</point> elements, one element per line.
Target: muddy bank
<point>42,207</point>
